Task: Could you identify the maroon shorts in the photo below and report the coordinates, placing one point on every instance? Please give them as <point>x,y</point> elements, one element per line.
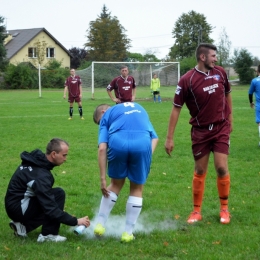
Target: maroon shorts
<point>74,99</point>
<point>214,138</point>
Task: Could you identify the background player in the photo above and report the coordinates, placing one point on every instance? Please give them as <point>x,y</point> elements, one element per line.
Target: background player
<point>255,88</point>
<point>74,88</point>
<point>124,87</point>
<point>206,92</point>
<point>126,158</point>
<point>155,87</point>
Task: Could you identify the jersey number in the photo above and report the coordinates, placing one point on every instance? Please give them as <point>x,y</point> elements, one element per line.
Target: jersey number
<point>129,104</point>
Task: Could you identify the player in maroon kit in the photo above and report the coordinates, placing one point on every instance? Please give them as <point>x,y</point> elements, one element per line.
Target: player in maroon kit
<point>124,87</point>
<point>74,88</point>
<point>206,92</point>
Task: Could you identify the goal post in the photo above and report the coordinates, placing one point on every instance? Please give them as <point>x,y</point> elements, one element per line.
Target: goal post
<point>100,74</point>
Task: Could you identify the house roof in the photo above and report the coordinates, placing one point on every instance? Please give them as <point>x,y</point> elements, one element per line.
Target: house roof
<point>21,37</point>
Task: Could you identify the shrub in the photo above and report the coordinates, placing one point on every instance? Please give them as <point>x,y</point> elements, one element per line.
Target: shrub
<point>22,76</point>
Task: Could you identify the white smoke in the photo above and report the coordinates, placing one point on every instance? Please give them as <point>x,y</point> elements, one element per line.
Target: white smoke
<point>146,223</point>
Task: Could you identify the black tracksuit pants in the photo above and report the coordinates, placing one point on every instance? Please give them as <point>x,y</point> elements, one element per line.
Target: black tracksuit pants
<point>35,217</point>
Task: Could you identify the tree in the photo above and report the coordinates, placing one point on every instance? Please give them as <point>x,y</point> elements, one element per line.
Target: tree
<point>224,46</point>
<point>40,52</point>
<point>134,57</point>
<point>149,56</point>
<point>243,61</point>
<point>107,40</point>
<point>189,30</point>
<point>3,35</point>
<point>78,56</point>
<point>187,64</point>
<point>256,61</point>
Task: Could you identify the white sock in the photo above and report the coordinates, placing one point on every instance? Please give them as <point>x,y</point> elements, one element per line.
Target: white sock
<point>259,130</point>
<point>133,209</point>
<point>106,205</point>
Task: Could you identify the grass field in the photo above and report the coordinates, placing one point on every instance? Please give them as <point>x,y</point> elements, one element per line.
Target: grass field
<point>28,122</point>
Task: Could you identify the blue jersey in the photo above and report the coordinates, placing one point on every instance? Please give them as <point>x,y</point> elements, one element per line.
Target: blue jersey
<point>255,88</point>
<point>128,116</point>
<point>128,132</point>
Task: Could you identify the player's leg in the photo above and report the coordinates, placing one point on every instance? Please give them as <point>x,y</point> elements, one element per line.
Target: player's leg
<point>80,109</point>
<point>117,171</point>
<point>257,119</point>
<point>223,185</point>
<point>138,170</point>
<point>159,97</point>
<point>107,204</point>
<point>201,148</point>
<point>154,97</point>
<point>259,134</point>
<point>133,210</point>
<point>198,187</point>
<point>221,151</point>
<point>71,110</point>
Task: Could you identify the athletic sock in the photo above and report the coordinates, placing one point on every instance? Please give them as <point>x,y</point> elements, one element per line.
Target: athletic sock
<point>71,111</point>
<point>80,111</point>
<point>159,98</point>
<point>198,185</point>
<point>106,205</point>
<point>223,191</point>
<point>259,130</point>
<point>154,98</point>
<point>133,209</point>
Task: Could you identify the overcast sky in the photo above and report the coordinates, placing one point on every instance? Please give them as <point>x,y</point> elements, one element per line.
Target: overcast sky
<point>148,23</point>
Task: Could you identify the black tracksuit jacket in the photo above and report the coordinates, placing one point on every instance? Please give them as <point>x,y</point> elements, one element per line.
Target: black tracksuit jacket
<point>34,178</point>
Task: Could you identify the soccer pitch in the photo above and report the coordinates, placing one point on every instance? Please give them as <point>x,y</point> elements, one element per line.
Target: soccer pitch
<point>29,122</point>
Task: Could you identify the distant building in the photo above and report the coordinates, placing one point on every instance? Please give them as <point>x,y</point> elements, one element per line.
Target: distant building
<point>24,45</point>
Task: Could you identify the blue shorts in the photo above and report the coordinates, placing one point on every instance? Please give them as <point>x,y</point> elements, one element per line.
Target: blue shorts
<point>129,155</point>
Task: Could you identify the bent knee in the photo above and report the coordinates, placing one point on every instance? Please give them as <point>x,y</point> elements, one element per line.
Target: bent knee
<point>221,171</point>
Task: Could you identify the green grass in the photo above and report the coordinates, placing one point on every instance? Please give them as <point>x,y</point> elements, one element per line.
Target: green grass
<point>28,122</point>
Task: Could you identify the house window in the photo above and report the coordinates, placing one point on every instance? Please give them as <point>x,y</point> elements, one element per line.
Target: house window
<point>32,53</point>
<point>50,52</point>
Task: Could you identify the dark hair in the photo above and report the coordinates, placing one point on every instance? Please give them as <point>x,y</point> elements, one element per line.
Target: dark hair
<point>258,68</point>
<point>204,48</point>
<point>123,67</point>
<point>55,145</point>
<point>98,111</point>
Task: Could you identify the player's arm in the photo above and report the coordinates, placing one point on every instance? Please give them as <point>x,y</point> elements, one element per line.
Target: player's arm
<point>169,144</point>
<point>252,104</point>
<point>80,91</point>
<point>230,117</point>
<point>65,91</point>
<point>102,162</point>
<point>114,99</point>
<point>133,94</point>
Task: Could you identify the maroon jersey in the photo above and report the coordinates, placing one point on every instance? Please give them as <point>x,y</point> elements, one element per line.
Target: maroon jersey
<point>73,84</point>
<point>122,87</point>
<point>204,95</point>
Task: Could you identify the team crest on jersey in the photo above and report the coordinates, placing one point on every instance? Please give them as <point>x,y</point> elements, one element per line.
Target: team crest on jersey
<point>178,90</point>
<point>216,77</point>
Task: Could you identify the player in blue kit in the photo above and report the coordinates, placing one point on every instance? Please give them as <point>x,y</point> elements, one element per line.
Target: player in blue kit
<point>255,88</point>
<point>126,142</point>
